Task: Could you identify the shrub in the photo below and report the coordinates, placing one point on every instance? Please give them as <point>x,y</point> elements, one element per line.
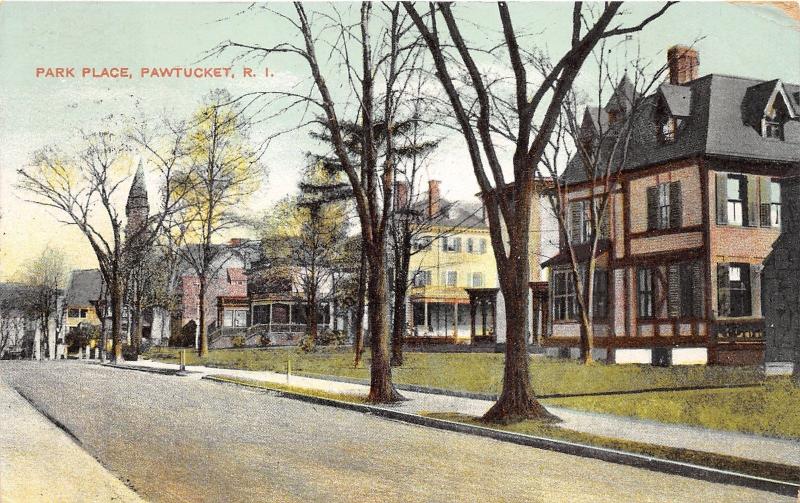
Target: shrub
<point>264,340</point>
<point>331,338</point>
<point>238,341</point>
<point>307,344</point>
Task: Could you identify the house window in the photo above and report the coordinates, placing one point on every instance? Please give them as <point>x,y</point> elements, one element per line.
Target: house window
<point>774,203</point>
<point>73,313</point>
<point>477,279</point>
<point>422,278</point>
<point>482,248</point>
<point>664,206</point>
<point>422,242</point>
<point>646,292</point>
<point>451,278</point>
<point>773,129</point>
<point>470,245</point>
<point>261,315</point>
<point>600,294</point>
<point>737,199</point>
<point>733,290</point>
<point>227,319</point>
<point>580,223</point>
<point>564,300</point>
<point>451,244</point>
<point>84,313</point>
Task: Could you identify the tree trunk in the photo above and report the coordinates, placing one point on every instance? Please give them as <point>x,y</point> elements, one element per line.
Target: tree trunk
<point>358,329</point>
<point>381,389</point>
<point>311,318</point>
<point>203,334</point>
<point>517,401</point>
<point>587,340</point>
<point>400,293</point>
<point>116,319</point>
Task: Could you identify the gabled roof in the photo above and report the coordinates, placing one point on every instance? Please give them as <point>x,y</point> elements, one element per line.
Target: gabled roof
<point>137,197</point>
<point>452,213</point>
<point>85,287</point>
<point>717,124</point>
<point>677,98</point>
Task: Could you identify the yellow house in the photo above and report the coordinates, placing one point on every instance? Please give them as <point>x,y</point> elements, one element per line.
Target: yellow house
<point>85,289</point>
<point>452,254</point>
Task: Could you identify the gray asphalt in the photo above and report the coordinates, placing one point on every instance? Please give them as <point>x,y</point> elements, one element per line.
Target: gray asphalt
<point>181,440</point>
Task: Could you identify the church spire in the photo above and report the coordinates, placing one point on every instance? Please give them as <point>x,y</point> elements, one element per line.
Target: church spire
<point>137,197</point>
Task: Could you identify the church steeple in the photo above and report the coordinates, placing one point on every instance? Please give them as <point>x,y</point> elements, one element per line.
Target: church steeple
<point>137,209</point>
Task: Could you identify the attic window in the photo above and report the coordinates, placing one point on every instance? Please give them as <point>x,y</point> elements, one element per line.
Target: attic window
<point>668,128</point>
<point>774,119</point>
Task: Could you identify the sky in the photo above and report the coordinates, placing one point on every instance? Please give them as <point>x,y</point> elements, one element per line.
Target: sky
<point>752,40</point>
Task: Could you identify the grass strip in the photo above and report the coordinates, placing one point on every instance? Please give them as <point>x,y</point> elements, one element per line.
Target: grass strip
<point>712,460</point>
<point>280,387</point>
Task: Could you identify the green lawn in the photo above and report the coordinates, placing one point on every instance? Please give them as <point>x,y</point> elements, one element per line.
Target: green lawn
<point>770,409</point>
<point>474,372</point>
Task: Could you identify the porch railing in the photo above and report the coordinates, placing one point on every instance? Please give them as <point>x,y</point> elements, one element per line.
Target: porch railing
<point>730,331</point>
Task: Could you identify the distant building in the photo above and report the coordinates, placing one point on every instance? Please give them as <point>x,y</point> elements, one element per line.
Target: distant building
<point>693,215</point>
<point>452,253</point>
<point>18,326</point>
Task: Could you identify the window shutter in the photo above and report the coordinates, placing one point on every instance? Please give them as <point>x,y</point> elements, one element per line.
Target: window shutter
<point>652,208</point>
<point>698,289</point>
<point>722,198</point>
<point>675,205</point>
<point>755,288</point>
<point>723,290</point>
<point>575,222</point>
<point>674,291</point>
<point>753,210</point>
<point>765,193</point>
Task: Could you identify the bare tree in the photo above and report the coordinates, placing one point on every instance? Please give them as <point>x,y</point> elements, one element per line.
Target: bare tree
<point>45,276</point>
<point>595,145</point>
<point>222,171</point>
<point>508,206</point>
<point>377,79</point>
<point>84,189</point>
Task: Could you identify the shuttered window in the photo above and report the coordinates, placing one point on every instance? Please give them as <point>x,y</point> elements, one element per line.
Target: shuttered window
<point>482,248</point>
<point>686,286</point>
<point>738,198</point>
<point>664,206</point>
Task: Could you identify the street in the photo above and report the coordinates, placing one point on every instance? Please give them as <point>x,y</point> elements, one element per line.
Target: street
<point>176,440</point>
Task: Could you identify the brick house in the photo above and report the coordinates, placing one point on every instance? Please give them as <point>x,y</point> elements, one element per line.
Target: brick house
<point>693,213</point>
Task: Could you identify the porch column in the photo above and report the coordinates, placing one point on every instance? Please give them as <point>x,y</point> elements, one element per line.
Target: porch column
<point>425,321</point>
<point>473,312</point>
<point>269,324</point>
<point>455,320</point>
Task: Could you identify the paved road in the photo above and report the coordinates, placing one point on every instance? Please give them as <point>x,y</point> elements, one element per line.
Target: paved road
<point>180,440</point>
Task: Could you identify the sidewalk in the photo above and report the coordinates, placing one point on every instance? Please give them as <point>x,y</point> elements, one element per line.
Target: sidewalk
<point>741,445</point>
<point>41,463</point>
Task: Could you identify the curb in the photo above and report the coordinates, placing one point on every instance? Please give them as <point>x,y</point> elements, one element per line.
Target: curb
<point>604,454</point>
<point>137,368</point>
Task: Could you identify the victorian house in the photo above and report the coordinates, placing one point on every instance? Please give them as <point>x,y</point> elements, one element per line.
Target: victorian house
<point>693,214</point>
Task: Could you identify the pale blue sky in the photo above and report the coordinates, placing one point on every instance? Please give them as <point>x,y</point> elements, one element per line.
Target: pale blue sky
<point>740,39</point>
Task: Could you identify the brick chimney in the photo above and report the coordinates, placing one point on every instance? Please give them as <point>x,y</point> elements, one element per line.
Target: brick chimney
<point>433,198</point>
<point>684,64</point>
<point>235,242</point>
<point>400,195</point>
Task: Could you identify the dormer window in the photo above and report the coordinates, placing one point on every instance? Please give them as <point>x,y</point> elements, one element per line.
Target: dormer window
<point>668,128</point>
<point>773,129</point>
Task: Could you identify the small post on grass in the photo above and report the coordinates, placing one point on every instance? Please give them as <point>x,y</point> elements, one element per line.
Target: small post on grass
<point>288,369</point>
<point>182,369</point>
